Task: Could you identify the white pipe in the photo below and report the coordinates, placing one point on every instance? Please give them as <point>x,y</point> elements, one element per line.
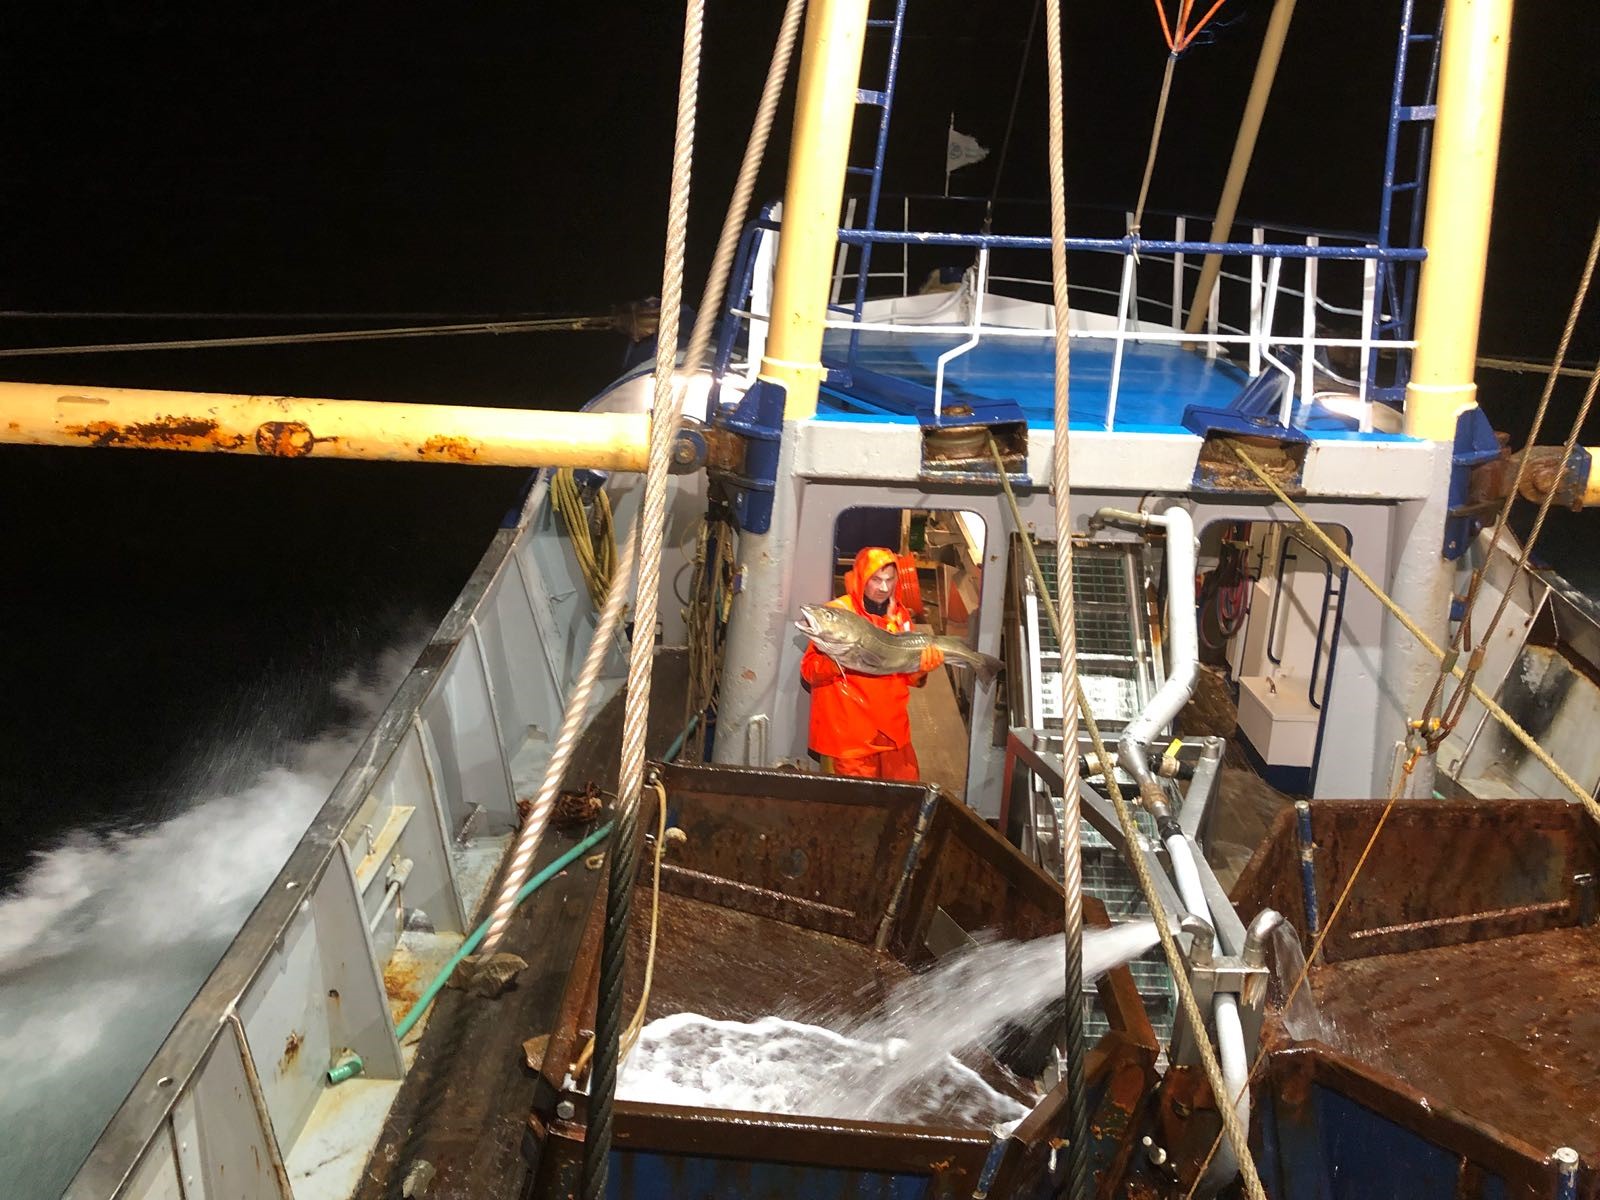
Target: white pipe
<point>1184,638</point>
<point>1236,1075</point>
<point>1180,853</point>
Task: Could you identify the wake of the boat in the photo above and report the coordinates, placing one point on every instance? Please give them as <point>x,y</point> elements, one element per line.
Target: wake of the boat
<point>108,935</point>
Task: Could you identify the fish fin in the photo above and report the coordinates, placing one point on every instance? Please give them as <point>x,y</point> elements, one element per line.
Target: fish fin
<point>988,667</point>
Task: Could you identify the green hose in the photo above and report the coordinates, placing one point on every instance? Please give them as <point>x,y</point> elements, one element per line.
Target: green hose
<point>471,944</point>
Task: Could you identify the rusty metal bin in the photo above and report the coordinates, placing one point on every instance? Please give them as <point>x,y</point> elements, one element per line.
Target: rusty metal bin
<point>1459,997</point>
<point>793,881</point>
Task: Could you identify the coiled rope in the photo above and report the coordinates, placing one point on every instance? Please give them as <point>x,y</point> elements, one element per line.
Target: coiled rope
<point>593,537</point>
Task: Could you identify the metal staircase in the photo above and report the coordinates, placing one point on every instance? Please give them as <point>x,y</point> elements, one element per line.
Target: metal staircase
<point>1120,667</point>
<point>1412,109</point>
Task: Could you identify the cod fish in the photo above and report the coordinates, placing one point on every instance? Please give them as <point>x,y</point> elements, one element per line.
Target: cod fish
<point>858,645</point>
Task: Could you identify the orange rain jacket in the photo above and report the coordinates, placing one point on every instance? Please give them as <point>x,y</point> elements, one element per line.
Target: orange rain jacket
<point>854,714</point>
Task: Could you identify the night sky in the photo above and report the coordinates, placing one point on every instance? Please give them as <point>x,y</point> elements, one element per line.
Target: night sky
<point>508,159</point>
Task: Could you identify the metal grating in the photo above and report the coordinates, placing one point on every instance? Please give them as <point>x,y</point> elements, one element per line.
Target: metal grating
<point>1119,670</point>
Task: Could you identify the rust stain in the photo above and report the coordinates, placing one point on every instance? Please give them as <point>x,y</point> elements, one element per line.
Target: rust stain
<point>449,449</point>
<point>401,981</point>
<point>168,433</point>
<point>286,439</point>
<point>291,1050</point>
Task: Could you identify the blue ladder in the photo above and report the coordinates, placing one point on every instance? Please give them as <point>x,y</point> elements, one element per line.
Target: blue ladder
<point>883,100</point>
<point>1397,281</point>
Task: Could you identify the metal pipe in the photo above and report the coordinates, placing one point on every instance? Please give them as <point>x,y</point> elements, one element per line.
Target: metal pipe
<point>1466,148</point>
<point>42,414</point>
<point>1185,873</point>
<point>1308,865</point>
<point>1133,748</point>
<point>1244,147</point>
<point>1567,1163</point>
<point>824,117</point>
<point>1255,938</point>
<point>1236,1074</point>
<point>398,874</point>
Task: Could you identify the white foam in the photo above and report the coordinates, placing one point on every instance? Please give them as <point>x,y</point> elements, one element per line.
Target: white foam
<point>108,936</point>
<point>896,1064</point>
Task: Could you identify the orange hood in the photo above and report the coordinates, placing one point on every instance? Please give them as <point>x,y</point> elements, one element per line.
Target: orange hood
<point>869,561</point>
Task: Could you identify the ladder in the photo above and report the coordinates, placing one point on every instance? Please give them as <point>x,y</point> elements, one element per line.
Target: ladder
<point>881,99</point>
<point>1412,105</point>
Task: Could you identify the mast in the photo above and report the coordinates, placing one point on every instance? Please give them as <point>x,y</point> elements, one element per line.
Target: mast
<point>1244,148</point>
<point>791,367</point>
<point>1466,150</point>
<point>1442,389</point>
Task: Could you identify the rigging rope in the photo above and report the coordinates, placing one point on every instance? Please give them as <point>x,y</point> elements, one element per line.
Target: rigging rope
<point>1428,644</point>
<point>1238,1137</point>
<point>665,412</point>
<point>540,325</point>
<point>1011,119</point>
<point>1457,703</point>
<point>1155,144</point>
<point>744,187</point>
<point>1078,1183</point>
<point>573,720</point>
<point>1180,35</point>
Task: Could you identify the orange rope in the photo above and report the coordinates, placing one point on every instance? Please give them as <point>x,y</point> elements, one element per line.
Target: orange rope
<point>1166,30</point>
<point>1193,33</point>
<point>1181,37</point>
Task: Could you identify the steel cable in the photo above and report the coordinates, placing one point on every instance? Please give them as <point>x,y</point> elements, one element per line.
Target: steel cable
<point>573,721</point>
<point>668,404</point>
<point>1078,1183</point>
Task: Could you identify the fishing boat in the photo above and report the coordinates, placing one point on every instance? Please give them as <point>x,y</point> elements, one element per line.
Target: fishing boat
<point>1071,426</point>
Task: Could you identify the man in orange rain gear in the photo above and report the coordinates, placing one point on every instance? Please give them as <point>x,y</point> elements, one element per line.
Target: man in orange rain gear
<point>859,723</point>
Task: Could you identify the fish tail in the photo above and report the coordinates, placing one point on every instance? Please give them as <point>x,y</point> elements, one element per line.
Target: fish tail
<point>987,667</point>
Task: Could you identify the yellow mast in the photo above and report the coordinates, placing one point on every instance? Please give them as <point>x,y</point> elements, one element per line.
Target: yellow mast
<point>1466,148</point>
<point>824,116</point>
<point>44,414</point>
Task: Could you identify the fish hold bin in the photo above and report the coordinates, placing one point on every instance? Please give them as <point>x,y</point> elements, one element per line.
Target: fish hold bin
<point>1455,1050</point>
<point>791,886</point>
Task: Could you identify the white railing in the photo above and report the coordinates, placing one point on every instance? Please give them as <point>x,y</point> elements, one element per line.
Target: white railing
<point>1268,300</point>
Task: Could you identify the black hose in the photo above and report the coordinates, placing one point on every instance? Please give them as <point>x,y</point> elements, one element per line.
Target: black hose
<point>608,1017</point>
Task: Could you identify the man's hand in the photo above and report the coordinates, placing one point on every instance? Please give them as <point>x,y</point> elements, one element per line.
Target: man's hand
<point>932,659</point>
<point>820,670</point>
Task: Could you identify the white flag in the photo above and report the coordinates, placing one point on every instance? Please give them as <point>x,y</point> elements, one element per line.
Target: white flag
<point>962,150</point>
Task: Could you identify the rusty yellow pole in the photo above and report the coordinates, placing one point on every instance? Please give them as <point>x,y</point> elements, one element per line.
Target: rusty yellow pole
<point>43,414</point>
<point>1466,149</point>
<point>824,114</point>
